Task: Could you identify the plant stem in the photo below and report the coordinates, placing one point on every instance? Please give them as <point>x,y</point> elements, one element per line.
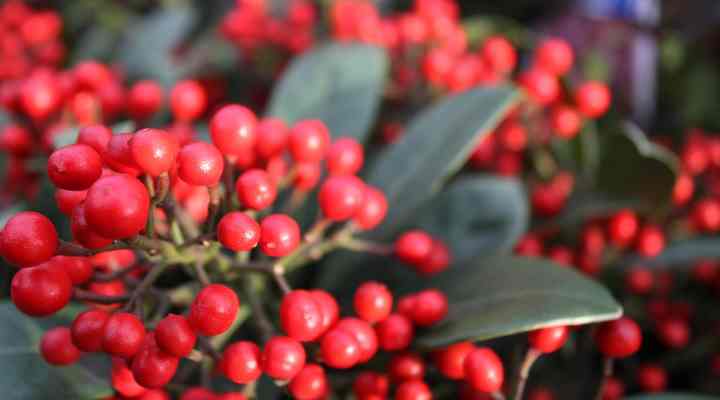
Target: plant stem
<point>201,273</point>
<point>85,295</point>
<point>368,247</point>
<point>607,373</point>
<point>71,249</point>
<point>524,371</point>
<point>111,276</point>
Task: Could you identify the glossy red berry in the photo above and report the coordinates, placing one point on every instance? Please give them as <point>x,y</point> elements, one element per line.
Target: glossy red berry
<point>118,155</point>
<point>484,370</point>
<point>28,238</point>
<point>341,197</point>
<point>619,338</point>
<point>16,140</point>
<point>328,307</point>
<point>78,269</point>
<point>307,175</point>
<point>650,241</point>
<point>593,99</point>
<point>437,261</point>
<point>450,360</point>
<point>279,235</point>
<point>144,99</point>
<point>339,349</point>
<point>565,121</point>
<point>238,231</point>
<point>309,384</point>
<point>413,247</point>
<point>674,333</point>
<point>364,335</point>
<point>117,206</point>
<point>395,332</point>
<point>706,215</point>
<point>345,157</point>
<point>499,53</point>
<point>256,189</point>
<point>154,151</point>
<point>430,307</point>
<point>175,336</point>
<point>67,200</point>
<point>554,55</point>
<point>122,379</point>
<point>83,233</point>
<point>198,393</point>
<point>540,85</point>
<point>309,141</point>
<point>57,348</point>
<point>437,65</point>
<point>614,389</point>
<point>200,164</point>
<point>373,302</point>
<point>301,316</point>
<point>152,367</point>
<point>272,137</point>
<point>623,228</point>
<point>283,358</point>
<point>548,340</point>
<point>241,362</point>
<point>96,136</point>
<point>373,209</point>
<point>214,310</point>
<point>233,130</point>
<point>413,390</point>
<point>74,167</point>
<point>41,291</point>
<point>370,385</point>
<point>188,101</point>
<point>88,329</point>
<point>123,335</point>
<point>406,366</point>
<point>155,394</point>
<point>639,280</point>
<point>683,189</point>
<point>652,378</point>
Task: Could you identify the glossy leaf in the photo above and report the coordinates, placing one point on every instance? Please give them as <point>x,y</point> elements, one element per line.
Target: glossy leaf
<point>26,376</point>
<point>681,253</point>
<point>339,84</point>
<point>435,145</point>
<point>505,295</point>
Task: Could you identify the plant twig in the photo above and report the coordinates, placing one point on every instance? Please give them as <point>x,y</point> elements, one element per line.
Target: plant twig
<point>607,373</point>
<point>85,295</point>
<point>524,371</point>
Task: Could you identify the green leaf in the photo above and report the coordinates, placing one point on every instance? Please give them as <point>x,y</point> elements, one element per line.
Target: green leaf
<point>681,253</point>
<point>505,295</point>
<point>339,84</point>
<point>672,396</point>
<point>632,166</point>
<point>478,214</point>
<point>146,50</point>
<point>435,146</point>
<point>26,376</point>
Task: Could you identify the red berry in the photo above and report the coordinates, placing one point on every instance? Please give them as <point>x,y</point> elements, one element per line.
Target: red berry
<point>548,340</point>
<point>639,280</point>
<point>67,200</point>
<point>117,206</point>
<point>406,366</point>
<point>28,238</point>
<point>279,235</point>
<point>328,307</point>
<point>430,307</point>
<point>652,378</point>
<point>370,385</point>
<point>651,241</point>
<point>175,336</point>
<point>256,189</point>
<point>364,335</point>
<point>81,231</point>
<point>413,247</point>
<point>674,333</point>
<point>438,260</point>
<point>309,384</point>
<point>395,332</point>
<point>198,393</point>
<point>683,189</point>
<point>307,175</point>
<point>283,358</point>
<point>16,140</point>
<point>614,389</point>
<point>214,310</point>
<point>152,367</point>
<point>241,362</point>
<point>413,390</point>
<point>96,136</point>
<point>450,361</point>
<point>484,370</point>
<point>555,55</point>
<point>373,302</point>
<point>706,215</point>
<point>529,245</point>
<point>39,97</point>
<point>57,348</point>
<point>565,121</point>
<point>512,136</point>
<point>301,316</point>
<point>79,269</point>
<point>619,338</point>
<point>144,99</point>
<point>345,157</point>
<point>339,349</point>
<point>123,335</point>
<point>123,380</point>
<point>188,101</point>
<point>200,164</point>
<point>88,329</point>
<point>233,130</point>
<point>155,394</point>
<point>593,99</point>
<point>373,209</point>
<point>118,155</point>
<point>272,137</point>
<point>437,65</point>
<point>341,197</point>
<point>540,85</point>
<point>499,53</point>
<point>41,291</point>
<point>154,151</point>
<point>238,231</point>
<point>309,141</point>
<point>623,227</point>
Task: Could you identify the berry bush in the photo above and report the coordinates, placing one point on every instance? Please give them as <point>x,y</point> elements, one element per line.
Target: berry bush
<point>330,200</point>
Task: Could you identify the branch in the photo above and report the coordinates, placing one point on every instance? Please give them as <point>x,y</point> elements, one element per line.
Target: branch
<point>85,295</point>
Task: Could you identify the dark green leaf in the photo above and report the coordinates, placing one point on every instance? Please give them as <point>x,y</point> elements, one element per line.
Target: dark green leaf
<point>632,166</point>
<point>436,144</point>
<point>504,295</point>
<point>672,396</point>
<point>26,376</point>
<point>478,214</point>
<point>338,83</point>
<point>681,253</point>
